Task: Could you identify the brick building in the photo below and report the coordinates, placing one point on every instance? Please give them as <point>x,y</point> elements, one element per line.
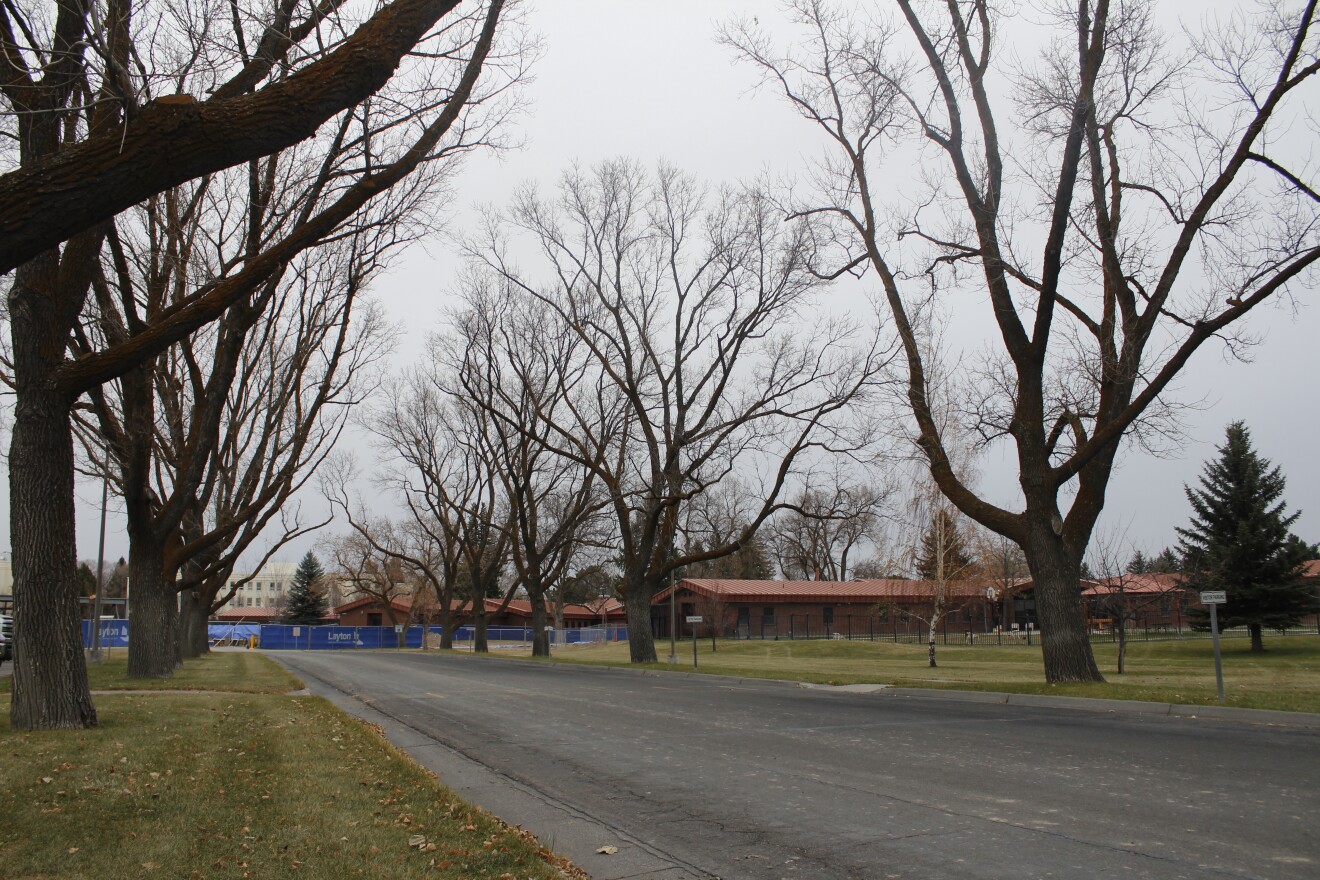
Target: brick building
<point>822,609</point>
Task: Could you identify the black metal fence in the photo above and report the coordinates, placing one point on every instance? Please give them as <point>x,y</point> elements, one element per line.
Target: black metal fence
<point>1141,631</point>
<point>911,630</point>
<point>897,628</point>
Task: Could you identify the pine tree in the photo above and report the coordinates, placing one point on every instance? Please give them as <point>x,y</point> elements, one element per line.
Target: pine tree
<point>943,554</point>
<point>307,604</point>
<point>1166,563</point>
<point>86,580</point>
<point>1239,541</point>
<point>1138,564</point>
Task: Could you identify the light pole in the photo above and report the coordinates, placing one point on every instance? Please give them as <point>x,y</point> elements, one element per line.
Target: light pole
<point>95,654</point>
<point>673,622</point>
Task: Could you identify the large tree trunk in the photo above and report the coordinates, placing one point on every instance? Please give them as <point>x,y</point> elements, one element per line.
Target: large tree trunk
<point>154,607</point>
<point>1257,643</point>
<point>637,605</point>
<point>540,636</point>
<point>193,636</point>
<point>1056,575</point>
<point>479,643</point>
<point>446,625</point>
<point>50,688</point>
<point>559,619</point>
<point>1122,646</point>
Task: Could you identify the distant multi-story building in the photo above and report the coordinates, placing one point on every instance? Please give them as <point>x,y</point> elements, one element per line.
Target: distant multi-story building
<point>6,582</point>
<point>267,588</point>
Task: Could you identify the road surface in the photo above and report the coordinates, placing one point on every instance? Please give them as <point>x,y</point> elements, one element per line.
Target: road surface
<point>706,777</point>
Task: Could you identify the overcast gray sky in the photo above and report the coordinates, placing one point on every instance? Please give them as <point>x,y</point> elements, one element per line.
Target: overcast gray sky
<point>647,80</point>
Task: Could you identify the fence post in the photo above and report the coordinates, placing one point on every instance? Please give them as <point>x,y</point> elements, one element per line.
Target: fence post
<point>850,627</point>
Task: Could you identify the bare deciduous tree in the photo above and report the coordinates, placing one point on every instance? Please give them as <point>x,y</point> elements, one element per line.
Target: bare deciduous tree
<point>77,93</point>
<point>1162,202</point>
<point>298,63</point>
<point>419,543</point>
<point>445,473</point>
<point>519,378</point>
<point>210,440</point>
<point>369,572</point>
<point>818,534</point>
<point>680,299</point>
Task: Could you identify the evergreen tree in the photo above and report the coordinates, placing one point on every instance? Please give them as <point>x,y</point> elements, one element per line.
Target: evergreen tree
<point>751,561</point>
<point>943,555</point>
<point>1139,564</point>
<point>1239,541</point>
<point>86,580</point>
<point>307,604</point>
<point>1166,563</point>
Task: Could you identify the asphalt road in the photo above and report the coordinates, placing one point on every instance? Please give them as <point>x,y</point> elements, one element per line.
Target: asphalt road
<point>703,777</point>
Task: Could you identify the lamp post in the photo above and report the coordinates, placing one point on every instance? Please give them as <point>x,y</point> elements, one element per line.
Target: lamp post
<point>673,623</point>
<point>95,654</point>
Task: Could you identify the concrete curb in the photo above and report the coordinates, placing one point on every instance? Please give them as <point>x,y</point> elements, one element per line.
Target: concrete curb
<point>1039,701</point>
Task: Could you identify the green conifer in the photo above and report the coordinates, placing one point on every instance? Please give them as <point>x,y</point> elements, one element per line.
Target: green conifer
<point>308,603</point>
<point>1239,541</point>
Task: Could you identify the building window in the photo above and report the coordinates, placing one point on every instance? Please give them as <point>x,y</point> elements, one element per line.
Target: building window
<point>374,619</point>
<point>828,615</point>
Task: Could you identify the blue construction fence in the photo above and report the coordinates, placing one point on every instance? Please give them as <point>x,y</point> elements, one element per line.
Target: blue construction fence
<point>321,637</point>
<point>114,634</point>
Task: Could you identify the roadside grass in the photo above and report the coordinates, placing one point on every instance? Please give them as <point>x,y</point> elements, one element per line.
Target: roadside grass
<point>239,671</point>
<point>242,785</point>
<point>1286,676</point>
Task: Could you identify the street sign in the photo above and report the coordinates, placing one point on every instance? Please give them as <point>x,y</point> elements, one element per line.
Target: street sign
<point>1214,597</point>
<point>398,627</point>
<point>694,618</point>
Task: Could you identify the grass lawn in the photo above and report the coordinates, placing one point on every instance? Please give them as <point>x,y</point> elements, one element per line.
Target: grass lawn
<point>241,785</point>
<point>1286,676</point>
<point>238,671</point>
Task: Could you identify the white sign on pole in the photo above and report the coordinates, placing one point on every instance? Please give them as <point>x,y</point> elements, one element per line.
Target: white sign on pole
<point>694,618</point>
<point>1214,597</point>
<point>398,627</point>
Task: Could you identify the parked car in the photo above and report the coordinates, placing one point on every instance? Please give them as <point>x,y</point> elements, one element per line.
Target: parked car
<point>6,638</point>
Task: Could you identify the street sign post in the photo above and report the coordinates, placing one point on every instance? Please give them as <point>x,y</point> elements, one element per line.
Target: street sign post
<point>1212,599</point>
<point>694,619</point>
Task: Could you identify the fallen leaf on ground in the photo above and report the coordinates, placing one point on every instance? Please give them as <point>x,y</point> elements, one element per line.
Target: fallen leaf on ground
<point>608,850</point>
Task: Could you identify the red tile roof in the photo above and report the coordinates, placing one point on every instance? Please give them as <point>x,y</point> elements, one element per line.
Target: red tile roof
<point>523,608</point>
<point>249,615</point>
<point>841,592</point>
<point>1134,583</point>
<point>400,603</point>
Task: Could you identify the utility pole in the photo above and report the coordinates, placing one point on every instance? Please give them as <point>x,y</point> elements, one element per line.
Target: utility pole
<point>95,654</point>
<point>673,622</point>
